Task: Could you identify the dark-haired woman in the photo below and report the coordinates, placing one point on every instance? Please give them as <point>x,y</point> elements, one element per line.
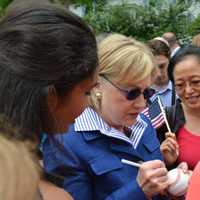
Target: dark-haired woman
<point>48,64</point>
<point>185,73</point>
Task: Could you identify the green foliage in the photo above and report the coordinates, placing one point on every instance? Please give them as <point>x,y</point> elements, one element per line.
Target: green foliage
<point>4,3</point>
<point>194,27</point>
<point>90,3</point>
<point>141,22</point>
<point>87,3</point>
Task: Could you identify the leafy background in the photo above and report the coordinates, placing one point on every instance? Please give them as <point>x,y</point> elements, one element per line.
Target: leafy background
<point>142,22</point>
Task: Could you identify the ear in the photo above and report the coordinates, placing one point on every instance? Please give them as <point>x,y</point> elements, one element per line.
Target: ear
<point>98,91</point>
<point>98,87</point>
<point>52,99</point>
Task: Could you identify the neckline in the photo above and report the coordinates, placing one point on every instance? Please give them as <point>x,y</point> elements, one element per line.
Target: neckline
<point>191,133</point>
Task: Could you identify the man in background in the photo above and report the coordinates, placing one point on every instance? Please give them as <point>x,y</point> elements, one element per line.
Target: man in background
<point>173,42</point>
<point>161,84</point>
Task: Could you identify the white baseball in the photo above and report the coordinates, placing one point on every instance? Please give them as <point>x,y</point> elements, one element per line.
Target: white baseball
<point>178,182</point>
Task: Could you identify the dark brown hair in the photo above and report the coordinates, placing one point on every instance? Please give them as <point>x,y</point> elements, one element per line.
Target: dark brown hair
<point>159,47</point>
<point>40,47</point>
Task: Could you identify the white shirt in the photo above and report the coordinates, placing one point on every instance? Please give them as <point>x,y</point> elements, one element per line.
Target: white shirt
<point>174,51</point>
<point>89,120</point>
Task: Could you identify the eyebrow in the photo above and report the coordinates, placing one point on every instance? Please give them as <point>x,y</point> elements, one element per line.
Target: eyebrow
<point>192,77</point>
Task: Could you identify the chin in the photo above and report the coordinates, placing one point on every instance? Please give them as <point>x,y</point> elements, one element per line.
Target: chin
<point>130,122</point>
<point>195,107</point>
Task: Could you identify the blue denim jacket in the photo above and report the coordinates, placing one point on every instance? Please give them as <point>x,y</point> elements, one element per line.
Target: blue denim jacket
<point>91,163</point>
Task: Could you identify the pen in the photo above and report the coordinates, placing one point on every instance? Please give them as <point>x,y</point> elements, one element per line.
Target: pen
<point>128,162</point>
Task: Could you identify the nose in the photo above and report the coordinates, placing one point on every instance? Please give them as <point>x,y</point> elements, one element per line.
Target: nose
<point>188,88</point>
<point>159,72</point>
<point>140,102</point>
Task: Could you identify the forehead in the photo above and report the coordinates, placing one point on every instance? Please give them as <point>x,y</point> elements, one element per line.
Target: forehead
<point>143,83</point>
<point>186,68</point>
<point>161,59</point>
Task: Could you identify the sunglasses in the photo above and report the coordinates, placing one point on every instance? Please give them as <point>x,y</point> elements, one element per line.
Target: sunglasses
<point>133,93</point>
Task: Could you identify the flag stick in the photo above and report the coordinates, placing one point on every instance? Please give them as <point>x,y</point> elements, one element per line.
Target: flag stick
<point>164,114</point>
<point>165,118</point>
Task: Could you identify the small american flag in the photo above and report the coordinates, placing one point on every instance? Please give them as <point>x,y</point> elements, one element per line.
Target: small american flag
<point>155,114</point>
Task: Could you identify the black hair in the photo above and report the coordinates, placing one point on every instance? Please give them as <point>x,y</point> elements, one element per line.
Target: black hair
<point>41,46</point>
<point>181,55</point>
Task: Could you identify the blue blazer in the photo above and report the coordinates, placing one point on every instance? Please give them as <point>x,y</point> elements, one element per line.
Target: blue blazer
<point>91,163</point>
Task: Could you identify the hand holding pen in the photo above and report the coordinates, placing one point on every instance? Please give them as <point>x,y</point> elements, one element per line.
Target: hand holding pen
<point>152,176</point>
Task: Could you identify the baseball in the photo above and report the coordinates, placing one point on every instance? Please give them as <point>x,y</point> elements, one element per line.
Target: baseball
<point>178,182</point>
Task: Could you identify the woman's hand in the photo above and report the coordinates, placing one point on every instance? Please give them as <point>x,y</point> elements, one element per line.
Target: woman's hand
<point>185,169</point>
<point>152,177</point>
<point>169,148</point>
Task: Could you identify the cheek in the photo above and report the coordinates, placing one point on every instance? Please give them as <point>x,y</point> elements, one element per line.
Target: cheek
<point>79,104</point>
<point>180,95</point>
<point>112,100</point>
<point>115,105</point>
<point>75,106</point>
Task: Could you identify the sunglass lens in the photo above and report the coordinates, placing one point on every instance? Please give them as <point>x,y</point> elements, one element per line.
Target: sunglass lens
<point>148,93</point>
<point>133,94</point>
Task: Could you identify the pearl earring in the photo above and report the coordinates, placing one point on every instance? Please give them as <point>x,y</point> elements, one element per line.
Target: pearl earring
<point>98,95</point>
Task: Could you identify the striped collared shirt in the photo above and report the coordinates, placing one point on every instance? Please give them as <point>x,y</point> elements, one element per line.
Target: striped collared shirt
<point>89,120</point>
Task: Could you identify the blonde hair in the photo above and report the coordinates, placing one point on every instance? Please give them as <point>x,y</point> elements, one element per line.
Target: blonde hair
<point>19,174</point>
<point>123,60</point>
<point>196,40</point>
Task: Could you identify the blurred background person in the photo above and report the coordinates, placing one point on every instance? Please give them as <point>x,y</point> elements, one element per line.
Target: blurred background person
<point>173,42</point>
<point>196,40</point>
<point>162,85</point>
<point>19,173</point>
<point>193,189</point>
<point>112,129</point>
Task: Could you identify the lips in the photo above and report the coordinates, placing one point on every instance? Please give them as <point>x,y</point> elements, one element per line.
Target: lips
<point>193,99</point>
<point>134,114</point>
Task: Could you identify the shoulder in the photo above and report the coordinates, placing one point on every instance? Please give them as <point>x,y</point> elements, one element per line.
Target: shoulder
<point>76,141</point>
<point>71,134</point>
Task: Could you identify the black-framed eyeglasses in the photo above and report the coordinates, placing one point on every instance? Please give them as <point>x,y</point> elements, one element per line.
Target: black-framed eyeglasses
<point>180,87</point>
<point>132,94</point>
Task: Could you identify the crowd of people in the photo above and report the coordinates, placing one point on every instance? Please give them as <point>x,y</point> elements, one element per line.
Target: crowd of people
<point>77,109</point>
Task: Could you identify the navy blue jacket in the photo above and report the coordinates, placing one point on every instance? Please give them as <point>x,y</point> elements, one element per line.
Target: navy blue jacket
<point>91,163</point>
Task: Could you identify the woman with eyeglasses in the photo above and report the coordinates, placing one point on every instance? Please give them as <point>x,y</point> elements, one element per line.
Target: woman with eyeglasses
<point>184,145</point>
<point>112,129</point>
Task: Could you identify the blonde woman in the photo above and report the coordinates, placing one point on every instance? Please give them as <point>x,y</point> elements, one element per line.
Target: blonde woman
<point>111,129</point>
<point>19,174</point>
